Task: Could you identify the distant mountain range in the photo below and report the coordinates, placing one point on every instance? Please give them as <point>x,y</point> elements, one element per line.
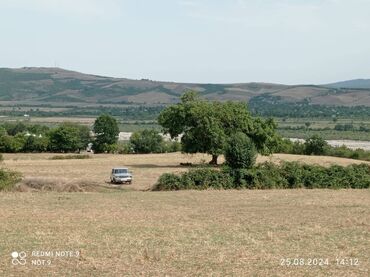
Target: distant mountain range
<point>57,86</point>
<point>357,84</point>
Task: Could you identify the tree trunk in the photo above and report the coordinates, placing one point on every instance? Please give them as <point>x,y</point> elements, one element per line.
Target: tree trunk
<point>214,160</point>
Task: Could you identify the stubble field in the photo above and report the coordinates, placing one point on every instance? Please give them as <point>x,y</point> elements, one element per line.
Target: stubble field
<point>133,232</point>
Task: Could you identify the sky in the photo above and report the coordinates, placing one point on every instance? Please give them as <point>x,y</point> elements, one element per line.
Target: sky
<point>205,41</point>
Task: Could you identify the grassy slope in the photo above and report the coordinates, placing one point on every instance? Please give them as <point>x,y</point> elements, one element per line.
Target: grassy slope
<point>54,85</point>
<point>224,233</point>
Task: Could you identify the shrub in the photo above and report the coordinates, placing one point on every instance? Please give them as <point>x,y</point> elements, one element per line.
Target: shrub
<point>289,147</point>
<point>70,157</point>
<point>8,179</point>
<point>168,181</point>
<point>288,175</point>
<point>199,179</point>
<point>240,151</point>
<point>315,145</point>
<point>205,178</point>
<point>147,141</point>
<point>265,176</point>
<point>171,146</point>
<point>123,148</point>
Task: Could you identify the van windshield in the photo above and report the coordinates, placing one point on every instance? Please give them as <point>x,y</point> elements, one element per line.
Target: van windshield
<point>120,171</point>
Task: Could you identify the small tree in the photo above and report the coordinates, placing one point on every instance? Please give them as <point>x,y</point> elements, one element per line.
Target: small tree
<point>147,141</point>
<point>315,145</point>
<point>106,131</point>
<point>240,151</point>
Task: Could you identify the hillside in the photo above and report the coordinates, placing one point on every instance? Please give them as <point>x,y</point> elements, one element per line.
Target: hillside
<point>33,86</point>
<point>356,84</point>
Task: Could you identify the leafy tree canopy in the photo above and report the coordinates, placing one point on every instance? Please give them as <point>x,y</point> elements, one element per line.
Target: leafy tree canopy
<point>147,141</point>
<point>106,131</point>
<point>206,125</point>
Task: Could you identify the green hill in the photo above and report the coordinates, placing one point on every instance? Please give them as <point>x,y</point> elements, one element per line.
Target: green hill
<point>33,86</point>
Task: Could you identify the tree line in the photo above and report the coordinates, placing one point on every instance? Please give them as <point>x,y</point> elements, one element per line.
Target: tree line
<point>72,138</point>
<point>20,137</point>
<point>273,106</point>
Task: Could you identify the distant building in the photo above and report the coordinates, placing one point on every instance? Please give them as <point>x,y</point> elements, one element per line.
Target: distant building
<point>125,136</point>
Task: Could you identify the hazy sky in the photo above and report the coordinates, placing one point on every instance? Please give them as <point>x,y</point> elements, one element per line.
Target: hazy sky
<point>282,41</point>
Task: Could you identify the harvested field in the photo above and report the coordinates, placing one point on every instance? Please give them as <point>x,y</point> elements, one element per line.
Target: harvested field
<point>118,231</point>
<point>187,233</point>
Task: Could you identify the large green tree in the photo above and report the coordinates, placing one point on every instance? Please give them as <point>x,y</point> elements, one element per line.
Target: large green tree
<point>206,125</point>
<point>106,133</point>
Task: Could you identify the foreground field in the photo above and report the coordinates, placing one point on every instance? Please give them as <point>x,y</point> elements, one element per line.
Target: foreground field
<point>188,233</point>
<point>94,172</point>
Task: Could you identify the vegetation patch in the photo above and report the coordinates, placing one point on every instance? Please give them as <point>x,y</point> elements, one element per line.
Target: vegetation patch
<point>287,175</point>
<point>316,145</point>
<point>8,179</point>
<point>52,184</point>
<point>70,157</point>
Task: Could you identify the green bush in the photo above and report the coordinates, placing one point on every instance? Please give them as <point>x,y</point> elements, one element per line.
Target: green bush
<point>205,178</point>
<point>240,151</point>
<point>171,146</point>
<point>315,145</point>
<point>169,181</point>
<point>1,157</point>
<point>288,175</point>
<point>8,179</point>
<point>199,179</point>
<point>123,148</point>
<point>147,141</point>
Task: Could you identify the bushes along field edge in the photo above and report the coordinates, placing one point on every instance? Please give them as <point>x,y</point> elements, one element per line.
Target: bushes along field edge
<point>287,175</point>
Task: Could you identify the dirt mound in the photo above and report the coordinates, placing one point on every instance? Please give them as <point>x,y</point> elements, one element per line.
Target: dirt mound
<point>56,184</point>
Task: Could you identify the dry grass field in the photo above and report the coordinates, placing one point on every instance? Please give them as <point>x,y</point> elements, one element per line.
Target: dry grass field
<point>131,232</point>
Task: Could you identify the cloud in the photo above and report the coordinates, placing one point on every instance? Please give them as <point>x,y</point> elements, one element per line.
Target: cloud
<point>77,8</point>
